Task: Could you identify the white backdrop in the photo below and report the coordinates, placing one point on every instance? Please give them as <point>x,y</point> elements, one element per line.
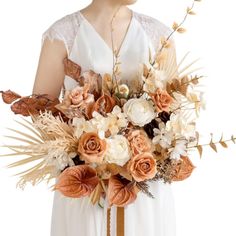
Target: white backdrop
<point>205,203</point>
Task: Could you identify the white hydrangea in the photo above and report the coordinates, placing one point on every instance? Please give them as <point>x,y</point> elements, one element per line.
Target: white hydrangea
<point>180,125</point>
<point>59,158</point>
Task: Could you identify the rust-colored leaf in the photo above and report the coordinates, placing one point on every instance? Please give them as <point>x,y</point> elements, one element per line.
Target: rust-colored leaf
<point>72,69</point>
<point>174,85</point>
<point>200,150</point>
<point>9,96</point>
<point>213,146</point>
<point>223,144</point>
<point>32,105</point>
<point>184,169</point>
<point>183,89</point>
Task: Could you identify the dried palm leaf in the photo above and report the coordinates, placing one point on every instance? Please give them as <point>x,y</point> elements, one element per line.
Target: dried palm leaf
<point>51,133</point>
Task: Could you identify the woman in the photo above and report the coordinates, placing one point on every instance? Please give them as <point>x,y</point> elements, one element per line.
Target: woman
<point>84,36</point>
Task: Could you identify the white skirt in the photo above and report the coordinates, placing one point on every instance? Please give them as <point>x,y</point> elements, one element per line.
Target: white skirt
<point>144,217</point>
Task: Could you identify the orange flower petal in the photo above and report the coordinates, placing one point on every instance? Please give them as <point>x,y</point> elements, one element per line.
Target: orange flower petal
<point>77,181</point>
<point>184,169</point>
<point>121,192</point>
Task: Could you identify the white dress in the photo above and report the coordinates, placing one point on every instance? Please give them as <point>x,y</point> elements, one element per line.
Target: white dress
<point>146,216</point>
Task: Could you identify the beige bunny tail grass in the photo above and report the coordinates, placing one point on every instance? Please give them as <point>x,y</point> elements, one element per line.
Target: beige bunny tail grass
<point>36,176</point>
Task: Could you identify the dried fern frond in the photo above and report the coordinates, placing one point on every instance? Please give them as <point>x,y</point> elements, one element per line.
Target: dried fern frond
<point>143,186</point>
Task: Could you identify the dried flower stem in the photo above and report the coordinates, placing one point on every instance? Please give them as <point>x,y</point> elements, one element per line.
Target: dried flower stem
<point>180,108</point>
<point>114,53</point>
<point>174,30</point>
<point>218,142</point>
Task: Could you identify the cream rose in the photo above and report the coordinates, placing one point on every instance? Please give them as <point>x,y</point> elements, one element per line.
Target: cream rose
<point>118,151</point>
<point>139,111</point>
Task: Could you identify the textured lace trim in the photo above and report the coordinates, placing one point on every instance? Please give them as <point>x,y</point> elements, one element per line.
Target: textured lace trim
<point>63,29</point>
<point>154,28</point>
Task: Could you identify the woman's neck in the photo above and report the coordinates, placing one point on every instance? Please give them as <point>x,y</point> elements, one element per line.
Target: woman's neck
<point>105,10</point>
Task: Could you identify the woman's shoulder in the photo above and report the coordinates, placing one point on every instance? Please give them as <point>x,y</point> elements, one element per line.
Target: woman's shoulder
<point>154,28</point>
<point>63,28</point>
<point>69,19</point>
<point>152,24</point>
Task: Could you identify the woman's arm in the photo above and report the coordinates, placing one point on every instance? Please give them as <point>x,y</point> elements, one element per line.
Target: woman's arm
<point>50,72</point>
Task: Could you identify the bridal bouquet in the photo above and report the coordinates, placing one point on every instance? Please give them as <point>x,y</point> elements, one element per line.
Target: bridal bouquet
<point>103,139</point>
<point>106,140</point>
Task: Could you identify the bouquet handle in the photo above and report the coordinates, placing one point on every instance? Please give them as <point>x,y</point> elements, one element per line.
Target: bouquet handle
<point>120,221</point>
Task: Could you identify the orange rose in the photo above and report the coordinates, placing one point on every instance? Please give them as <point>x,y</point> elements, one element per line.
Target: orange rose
<point>77,103</point>
<point>104,104</point>
<point>77,181</point>
<point>142,166</point>
<point>91,147</point>
<point>161,99</point>
<point>121,191</point>
<point>79,96</point>
<point>139,141</point>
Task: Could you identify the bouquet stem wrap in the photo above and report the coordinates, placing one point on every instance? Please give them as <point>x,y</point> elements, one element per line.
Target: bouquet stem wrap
<point>120,221</point>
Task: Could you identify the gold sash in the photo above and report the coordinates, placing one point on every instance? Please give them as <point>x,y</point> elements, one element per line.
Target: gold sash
<point>120,221</point>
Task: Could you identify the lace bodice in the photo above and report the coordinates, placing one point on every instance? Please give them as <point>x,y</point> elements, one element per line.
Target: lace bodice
<point>66,27</point>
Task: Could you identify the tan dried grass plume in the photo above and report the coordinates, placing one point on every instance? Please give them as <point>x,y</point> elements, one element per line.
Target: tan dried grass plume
<point>45,131</point>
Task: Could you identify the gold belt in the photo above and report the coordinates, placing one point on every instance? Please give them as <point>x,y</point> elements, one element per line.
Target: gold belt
<point>120,221</point>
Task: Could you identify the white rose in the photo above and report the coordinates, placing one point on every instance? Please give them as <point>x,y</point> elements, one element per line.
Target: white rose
<point>118,151</point>
<point>139,111</point>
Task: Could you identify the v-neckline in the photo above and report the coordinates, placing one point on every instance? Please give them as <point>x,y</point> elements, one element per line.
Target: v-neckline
<point>128,30</point>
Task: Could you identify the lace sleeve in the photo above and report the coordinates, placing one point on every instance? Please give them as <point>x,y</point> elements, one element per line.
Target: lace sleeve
<point>63,29</point>
<point>155,29</point>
